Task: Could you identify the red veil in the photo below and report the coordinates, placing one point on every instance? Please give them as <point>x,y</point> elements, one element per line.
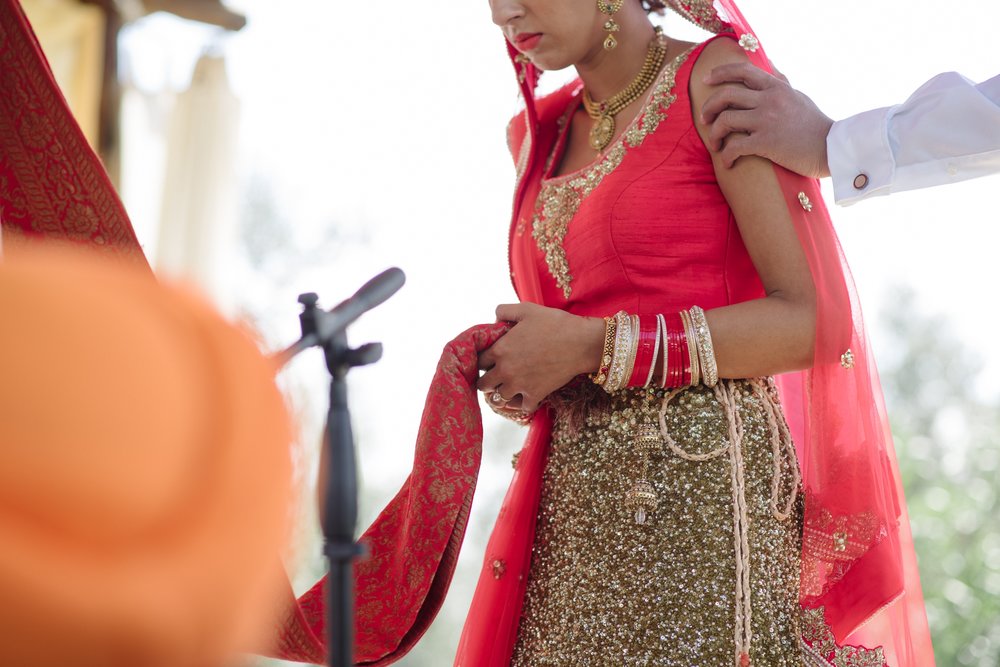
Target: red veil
<point>859,583</point>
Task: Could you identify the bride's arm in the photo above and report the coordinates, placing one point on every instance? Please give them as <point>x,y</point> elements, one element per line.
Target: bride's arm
<point>776,333</point>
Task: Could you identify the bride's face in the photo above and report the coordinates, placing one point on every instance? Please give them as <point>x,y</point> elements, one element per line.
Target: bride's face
<point>553,33</point>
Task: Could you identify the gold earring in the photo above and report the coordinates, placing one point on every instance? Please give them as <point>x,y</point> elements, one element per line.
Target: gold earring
<point>610,7</point>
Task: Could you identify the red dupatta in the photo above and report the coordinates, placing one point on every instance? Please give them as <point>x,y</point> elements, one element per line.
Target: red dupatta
<point>414,543</point>
<point>52,184</point>
<point>859,584</point>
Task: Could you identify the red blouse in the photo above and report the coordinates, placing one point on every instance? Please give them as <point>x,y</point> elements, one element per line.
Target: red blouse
<point>645,228</point>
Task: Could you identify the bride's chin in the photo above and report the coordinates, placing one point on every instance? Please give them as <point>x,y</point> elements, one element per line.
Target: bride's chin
<point>550,64</point>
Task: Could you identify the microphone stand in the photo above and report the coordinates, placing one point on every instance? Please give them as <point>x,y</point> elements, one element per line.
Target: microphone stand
<point>327,329</point>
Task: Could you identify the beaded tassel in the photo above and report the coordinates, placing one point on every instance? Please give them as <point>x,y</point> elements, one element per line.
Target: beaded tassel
<point>641,498</point>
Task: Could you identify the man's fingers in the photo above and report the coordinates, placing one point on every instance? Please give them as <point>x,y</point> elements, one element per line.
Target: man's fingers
<point>729,97</point>
<point>778,74</point>
<point>736,147</point>
<point>716,103</point>
<point>731,122</point>
<point>725,98</point>
<point>749,75</point>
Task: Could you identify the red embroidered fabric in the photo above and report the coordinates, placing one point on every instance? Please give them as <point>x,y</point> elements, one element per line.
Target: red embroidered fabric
<point>414,544</point>
<point>52,184</point>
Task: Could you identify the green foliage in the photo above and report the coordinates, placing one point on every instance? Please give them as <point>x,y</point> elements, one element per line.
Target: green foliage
<point>946,435</point>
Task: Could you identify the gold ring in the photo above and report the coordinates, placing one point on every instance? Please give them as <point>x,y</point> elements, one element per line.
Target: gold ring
<point>497,399</point>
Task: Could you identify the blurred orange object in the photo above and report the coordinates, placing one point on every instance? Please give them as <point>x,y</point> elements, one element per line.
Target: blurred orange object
<point>144,470</point>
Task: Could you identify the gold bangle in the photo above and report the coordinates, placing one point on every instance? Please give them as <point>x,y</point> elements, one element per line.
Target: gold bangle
<point>619,358</point>
<point>609,347</point>
<point>656,352</point>
<point>633,351</point>
<point>692,345</point>
<point>706,351</point>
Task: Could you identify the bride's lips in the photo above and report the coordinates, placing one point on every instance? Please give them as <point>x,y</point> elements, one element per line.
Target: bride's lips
<point>526,41</point>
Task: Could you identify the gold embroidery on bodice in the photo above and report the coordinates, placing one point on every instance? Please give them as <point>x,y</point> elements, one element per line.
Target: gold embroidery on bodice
<point>560,198</point>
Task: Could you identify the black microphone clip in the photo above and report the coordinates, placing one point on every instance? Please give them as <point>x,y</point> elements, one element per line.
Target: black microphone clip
<point>326,328</point>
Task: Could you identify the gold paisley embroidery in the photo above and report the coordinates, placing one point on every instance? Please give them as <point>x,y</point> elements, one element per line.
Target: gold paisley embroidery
<point>821,649</point>
<point>832,544</point>
<point>560,199</point>
<point>51,183</point>
<point>561,124</point>
<point>522,67</point>
<point>700,12</point>
<point>523,153</point>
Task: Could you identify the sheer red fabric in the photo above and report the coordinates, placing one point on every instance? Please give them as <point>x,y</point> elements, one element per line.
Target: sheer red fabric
<point>858,560</point>
<point>858,563</point>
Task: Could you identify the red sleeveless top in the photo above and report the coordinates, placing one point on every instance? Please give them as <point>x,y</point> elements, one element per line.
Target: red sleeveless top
<point>645,228</point>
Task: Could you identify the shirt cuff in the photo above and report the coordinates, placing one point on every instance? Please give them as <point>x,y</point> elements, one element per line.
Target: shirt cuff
<point>860,158</point>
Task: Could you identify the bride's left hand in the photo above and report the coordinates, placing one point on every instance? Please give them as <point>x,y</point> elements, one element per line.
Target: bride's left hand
<point>545,349</point>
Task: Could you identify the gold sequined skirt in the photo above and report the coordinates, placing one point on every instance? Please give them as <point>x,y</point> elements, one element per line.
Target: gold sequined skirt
<point>711,575</point>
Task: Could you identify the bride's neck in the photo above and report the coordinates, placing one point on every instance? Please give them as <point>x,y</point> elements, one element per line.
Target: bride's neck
<point>604,72</point>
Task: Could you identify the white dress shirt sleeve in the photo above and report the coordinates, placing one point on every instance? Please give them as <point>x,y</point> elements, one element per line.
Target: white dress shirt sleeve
<point>948,131</point>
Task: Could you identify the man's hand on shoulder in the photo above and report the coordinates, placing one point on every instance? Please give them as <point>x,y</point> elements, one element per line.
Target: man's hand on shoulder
<point>767,117</point>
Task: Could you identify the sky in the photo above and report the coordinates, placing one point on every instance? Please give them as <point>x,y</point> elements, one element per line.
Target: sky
<point>376,134</point>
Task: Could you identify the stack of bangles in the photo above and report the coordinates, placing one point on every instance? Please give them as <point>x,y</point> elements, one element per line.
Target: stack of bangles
<point>633,344</point>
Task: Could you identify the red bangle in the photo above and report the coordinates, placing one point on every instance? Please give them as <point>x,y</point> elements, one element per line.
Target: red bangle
<point>665,350</point>
<point>684,363</point>
<point>645,346</point>
<point>678,374</point>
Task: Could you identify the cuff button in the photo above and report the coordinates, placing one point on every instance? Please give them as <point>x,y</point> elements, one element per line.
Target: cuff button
<point>861,181</point>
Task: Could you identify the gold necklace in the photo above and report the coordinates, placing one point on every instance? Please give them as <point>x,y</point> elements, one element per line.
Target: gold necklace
<point>603,113</point>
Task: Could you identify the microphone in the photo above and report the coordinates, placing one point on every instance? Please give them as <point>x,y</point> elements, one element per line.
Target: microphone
<point>339,511</point>
<point>319,327</point>
<point>374,292</point>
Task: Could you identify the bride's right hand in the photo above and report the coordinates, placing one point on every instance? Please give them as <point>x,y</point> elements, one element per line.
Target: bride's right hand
<point>545,349</point>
